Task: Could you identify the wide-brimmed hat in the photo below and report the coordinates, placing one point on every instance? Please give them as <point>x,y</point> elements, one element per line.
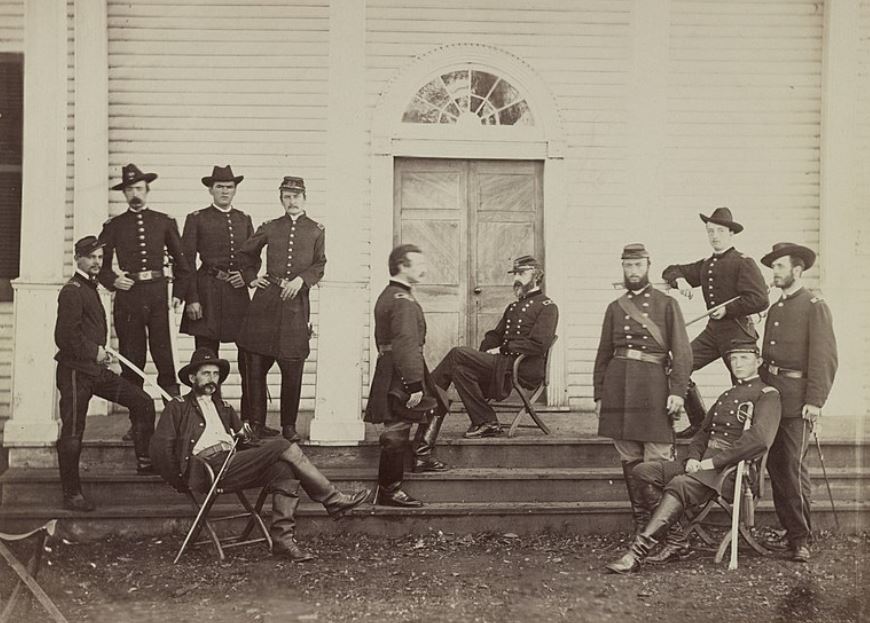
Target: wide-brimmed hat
<point>634,251</point>
<point>87,245</point>
<point>722,216</point>
<point>202,356</point>
<point>743,345</point>
<point>130,174</point>
<point>790,248</point>
<point>222,174</point>
<point>524,262</point>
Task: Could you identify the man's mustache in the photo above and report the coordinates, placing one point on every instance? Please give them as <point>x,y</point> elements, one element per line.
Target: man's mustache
<point>135,202</point>
<point>209,385</point>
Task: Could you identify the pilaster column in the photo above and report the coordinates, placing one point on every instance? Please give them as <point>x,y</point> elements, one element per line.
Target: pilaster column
<point>42,225</point>
<point>337,410</point>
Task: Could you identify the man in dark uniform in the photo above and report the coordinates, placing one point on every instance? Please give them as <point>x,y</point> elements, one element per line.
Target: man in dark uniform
<point>800,360</point>
<point>201,424</point>
<point>723,276</point>
<point>276,326</point>
<point>80,335</point>
<point>527,327</point>
<point>401,392</point>
<point>141,236</point>
<point>670,487</point>
<point>636,398</point>
<point>217,295</point>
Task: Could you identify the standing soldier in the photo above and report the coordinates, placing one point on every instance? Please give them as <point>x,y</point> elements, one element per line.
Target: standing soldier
<point>725,275</point>
<point>401,392</point>
<point>800,360</point>
<point>141,237</point>
<point>217,296</point>
<point>636,398</point>
<point>80,335</point>
<point>276,326</point>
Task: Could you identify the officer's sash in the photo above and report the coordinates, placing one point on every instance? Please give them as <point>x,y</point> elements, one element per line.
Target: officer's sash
<point>632,310</point>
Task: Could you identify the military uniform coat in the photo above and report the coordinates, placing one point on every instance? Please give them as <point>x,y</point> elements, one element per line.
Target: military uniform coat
<point>81,325</point>
<point>799,336</point>
<point>722,438</point>
<point>273,327</point>
<point>634,393</point>
<point>400,334</point>
<point>216,237</point>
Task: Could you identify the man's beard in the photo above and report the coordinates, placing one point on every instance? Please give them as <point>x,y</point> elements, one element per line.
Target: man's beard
<point>202,390</point>
<point>135,202</point>
<point>785,282</point>
<point>522,289</point>
<point>639,285</point>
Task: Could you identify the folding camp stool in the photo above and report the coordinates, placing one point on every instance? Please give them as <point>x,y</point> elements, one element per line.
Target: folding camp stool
<point>530,394</point>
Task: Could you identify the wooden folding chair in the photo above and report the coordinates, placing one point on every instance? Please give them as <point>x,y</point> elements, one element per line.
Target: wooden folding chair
<point>27,573</point>
<point>529,394</point>
<point>204,506</point>
<point>751,495</point>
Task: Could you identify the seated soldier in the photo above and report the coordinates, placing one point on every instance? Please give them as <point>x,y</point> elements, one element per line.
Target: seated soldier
<point>527,327</point>
<point>670,487</point>
<point>200,424</point>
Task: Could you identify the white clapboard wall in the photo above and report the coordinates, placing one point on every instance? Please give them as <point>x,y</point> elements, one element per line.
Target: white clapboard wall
<point>863,183</point>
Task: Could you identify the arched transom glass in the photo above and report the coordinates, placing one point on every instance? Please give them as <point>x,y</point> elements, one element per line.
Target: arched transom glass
<point>469,97</point>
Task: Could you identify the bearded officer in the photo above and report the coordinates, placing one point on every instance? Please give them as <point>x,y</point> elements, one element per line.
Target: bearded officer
<point>724,275</point>
<point>670,487</point>
<point>636,398</point>
<point>401,392</point>
<point>276,326</point>
<point>800,360</point>
<point>217,296</point>
<point>527,327</point>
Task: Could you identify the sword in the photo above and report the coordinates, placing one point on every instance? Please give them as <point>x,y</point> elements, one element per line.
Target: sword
<point>747,409</point>
<point>712,310</point>
<point>163,393</point>
<point>827,482</point>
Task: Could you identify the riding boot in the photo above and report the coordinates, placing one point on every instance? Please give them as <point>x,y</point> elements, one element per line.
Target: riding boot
<point>284,503</point>
<point>676,546</point>
<point>639,511</point>
<point>696,411</point>
<point>68,452</point>
<point>319,488</point>
<point>424,444</point>
<point>143,428</point>
<point>669,511</point>
<point>390,474</point>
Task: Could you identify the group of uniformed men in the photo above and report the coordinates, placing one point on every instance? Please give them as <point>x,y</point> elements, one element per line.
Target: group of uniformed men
<point>641,375</point>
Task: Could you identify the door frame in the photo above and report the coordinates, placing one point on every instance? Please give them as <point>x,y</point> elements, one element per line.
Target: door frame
<point>545,142</point>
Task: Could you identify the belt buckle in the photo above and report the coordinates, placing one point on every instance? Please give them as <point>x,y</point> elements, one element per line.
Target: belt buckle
<point>773,369</point>
<point>283,282</point>
<point>633,354</point>
<point>143,275</point>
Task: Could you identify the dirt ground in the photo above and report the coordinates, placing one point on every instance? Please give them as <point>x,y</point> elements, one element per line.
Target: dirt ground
<point>441,577</point>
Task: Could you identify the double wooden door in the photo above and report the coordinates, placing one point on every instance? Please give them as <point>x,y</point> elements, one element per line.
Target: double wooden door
<point>471,218</point>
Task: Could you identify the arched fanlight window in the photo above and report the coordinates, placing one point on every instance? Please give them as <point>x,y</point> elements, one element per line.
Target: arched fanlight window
<point>469,97</point>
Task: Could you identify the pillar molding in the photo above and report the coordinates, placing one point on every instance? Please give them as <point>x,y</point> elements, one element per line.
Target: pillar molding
<point>338,396</point>
<point>42,225</point>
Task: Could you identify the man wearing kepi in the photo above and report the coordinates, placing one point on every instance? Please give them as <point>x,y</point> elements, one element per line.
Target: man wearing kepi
<point>401,392</point>
<point>140,237</point>
<point>276,326</point>
<point>641,373</point>
<point>82,372</point>
<point>527,327</point>
<point>217,295</point>
<point>732,285</point>
<point>800,360</point>
<point>201,425</point>
<point>670,487</point>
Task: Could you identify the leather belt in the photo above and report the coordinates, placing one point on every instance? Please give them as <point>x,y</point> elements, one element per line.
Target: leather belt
<point>220,274</point>
<point>207,453</point>
<point>384,348</point>
<point>146,275</point>
<point>277,281</point>
<point>777,371</point>
<point>636,355</point>
<point>718,444</point>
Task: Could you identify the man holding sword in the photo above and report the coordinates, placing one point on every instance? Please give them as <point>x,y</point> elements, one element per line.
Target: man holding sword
<point>80,334</point>
<point>733,289</point>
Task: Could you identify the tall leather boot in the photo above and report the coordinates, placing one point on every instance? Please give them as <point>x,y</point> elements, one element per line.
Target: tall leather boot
<point>668,512</point>
<point>424,444</point>
<point>390,473</point>
<point>143,428</point>
<point>696,411</point>
<point>68,452</point>
<point>284,503</point>
<point>257,392</point>
<point>319,488</point>
<point>639,511</point>
<point>676,546</point>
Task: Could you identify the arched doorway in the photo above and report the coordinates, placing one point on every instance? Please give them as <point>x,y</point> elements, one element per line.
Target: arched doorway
<point>467,160</point>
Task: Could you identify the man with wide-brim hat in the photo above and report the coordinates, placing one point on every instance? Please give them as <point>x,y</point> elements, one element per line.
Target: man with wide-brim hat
<point>217,297</point>
<point>202,425</point>
<point>800,359</point>
<point>276,326</point>
<point>140,237</point>
<point>727,274</point>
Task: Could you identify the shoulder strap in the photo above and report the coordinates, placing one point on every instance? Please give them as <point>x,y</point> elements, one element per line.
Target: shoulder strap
<point>634,313</point>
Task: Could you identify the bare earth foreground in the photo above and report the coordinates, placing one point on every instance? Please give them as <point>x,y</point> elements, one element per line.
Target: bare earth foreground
<point>441,577</point>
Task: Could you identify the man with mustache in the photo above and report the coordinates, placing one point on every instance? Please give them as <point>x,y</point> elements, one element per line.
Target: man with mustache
<point>800,360</point>
<point>140,237</point>
<point>641,373</point>
<point>202,425</point>
<point>217,296</point>
<point>527,327</point>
